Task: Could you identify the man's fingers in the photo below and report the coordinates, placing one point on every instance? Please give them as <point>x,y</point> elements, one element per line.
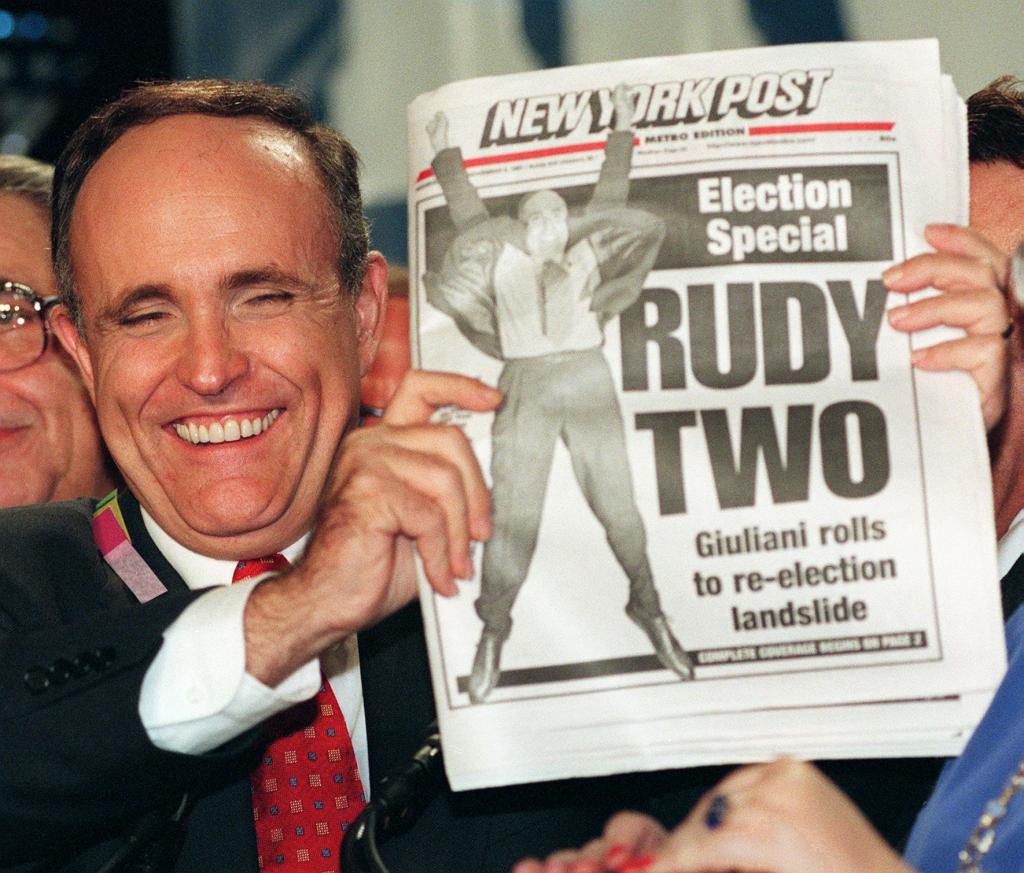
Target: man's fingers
<point>974,275</point>
<point>437,477</point>
<point>421,393</point>
<point>442,484</point>
<point>448,446</point>
<point>977,312</point>
<point>963,258</point>
<point>423,521</point>
<point>407,477</point>
<point>947,272</point>
<point>956,239</point>
<point>984,357</point>
<point>970,353</point>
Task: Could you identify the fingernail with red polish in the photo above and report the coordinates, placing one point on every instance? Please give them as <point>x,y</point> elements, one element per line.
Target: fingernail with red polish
<point>616,855</point>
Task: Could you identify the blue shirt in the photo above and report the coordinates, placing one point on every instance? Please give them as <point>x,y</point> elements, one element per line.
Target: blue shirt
<point>979,775</point>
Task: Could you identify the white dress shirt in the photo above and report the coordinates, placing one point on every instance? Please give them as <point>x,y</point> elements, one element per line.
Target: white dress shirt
<point>196,694</point>
<point>517,290</point>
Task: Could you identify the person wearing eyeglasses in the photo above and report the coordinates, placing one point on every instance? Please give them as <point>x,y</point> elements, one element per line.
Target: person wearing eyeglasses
<point>49,442</point>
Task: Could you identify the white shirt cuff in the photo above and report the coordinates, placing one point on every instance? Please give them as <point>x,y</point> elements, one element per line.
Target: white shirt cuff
<point>196,694</point>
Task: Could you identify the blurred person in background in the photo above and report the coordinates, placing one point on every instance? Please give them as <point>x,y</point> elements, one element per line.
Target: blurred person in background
<point>50,446</point>
<point>995,119</point>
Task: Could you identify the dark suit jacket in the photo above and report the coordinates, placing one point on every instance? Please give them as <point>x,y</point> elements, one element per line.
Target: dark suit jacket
<point>77,770</point>
<point>78,774</point>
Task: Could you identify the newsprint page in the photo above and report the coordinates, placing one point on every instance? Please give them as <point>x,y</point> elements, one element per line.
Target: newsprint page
<point>731,520</point>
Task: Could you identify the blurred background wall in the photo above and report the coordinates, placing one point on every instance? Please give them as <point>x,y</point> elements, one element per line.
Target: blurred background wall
<point>362,61</point>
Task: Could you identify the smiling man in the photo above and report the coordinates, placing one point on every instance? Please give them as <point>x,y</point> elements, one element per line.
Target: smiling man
<point>221,303</point>
<point>226,321</point>
<point>50,446</point>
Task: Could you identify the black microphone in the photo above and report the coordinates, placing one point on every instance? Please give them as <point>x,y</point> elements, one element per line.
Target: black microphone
<point>398,801</point>
<point>154,845</point>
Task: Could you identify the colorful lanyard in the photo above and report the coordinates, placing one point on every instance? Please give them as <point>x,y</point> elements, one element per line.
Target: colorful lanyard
<point>111,536</point>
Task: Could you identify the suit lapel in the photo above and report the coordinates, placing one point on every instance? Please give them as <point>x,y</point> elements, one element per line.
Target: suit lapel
<point>145,546</point>
<point>1012,587</point>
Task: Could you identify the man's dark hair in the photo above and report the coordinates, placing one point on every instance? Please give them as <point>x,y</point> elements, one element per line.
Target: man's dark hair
<point>24,177</point>
<point>995,122</point>
<point>334,157</point>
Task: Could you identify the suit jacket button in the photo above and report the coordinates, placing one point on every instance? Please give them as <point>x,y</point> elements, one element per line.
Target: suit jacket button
<point>61,671</point>
<point>102,658</point>
<point>36,680</point>
<point>82,664</point>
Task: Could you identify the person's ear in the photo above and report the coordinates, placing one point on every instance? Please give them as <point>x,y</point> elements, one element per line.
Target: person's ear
<point>63,327</point>
<point>370,305</point>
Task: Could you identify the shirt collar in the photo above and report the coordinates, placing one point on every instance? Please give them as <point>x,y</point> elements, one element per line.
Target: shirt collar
<point>199,571</point>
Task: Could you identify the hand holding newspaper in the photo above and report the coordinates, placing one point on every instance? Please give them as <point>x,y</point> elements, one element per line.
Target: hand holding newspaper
<point>731,520</point>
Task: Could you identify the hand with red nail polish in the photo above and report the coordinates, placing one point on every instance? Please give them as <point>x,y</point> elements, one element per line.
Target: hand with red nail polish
<point>782,817</point>
<point>629,838</point>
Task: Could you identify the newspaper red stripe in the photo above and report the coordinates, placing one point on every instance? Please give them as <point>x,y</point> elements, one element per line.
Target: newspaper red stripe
<point>829,127</point>
<point>526,156</point>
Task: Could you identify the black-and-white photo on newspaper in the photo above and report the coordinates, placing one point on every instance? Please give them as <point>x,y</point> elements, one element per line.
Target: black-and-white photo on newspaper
<point>719,487</point>
<point>535,291</point>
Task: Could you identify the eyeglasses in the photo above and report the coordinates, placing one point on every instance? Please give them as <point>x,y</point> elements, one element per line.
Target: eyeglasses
<point>23,328</point>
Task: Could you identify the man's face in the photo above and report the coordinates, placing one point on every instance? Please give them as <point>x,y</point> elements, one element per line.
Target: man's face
<point>222,354</point>
<point>48,439</point>
<point>547,226</point>
<point>997,202</point>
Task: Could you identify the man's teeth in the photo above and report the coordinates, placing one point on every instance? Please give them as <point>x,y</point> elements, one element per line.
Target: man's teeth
<point>228,431</point>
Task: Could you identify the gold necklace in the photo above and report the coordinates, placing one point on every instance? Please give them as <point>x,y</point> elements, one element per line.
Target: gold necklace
<point>984,834</point>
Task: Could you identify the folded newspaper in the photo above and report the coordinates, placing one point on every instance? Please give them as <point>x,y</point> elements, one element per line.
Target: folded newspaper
<point>731,521</point>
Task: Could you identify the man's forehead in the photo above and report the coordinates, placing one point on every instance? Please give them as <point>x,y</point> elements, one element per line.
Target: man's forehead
<point>179,143</point>
<point>198,197</point>
<point>174,164</point>
<point>25,243</point>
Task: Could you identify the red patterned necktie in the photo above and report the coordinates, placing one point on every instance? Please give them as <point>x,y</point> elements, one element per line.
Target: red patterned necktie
<point>306,789</point>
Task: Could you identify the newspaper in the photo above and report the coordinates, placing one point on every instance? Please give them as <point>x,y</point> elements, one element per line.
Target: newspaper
<point>731,520</point>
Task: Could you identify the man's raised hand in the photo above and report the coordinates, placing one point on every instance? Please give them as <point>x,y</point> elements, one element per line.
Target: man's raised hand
<point>405,481</point>
<point>437,130</point>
